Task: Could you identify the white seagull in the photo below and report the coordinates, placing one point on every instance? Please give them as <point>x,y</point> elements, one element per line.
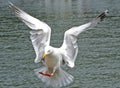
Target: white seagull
<point>53,58</point>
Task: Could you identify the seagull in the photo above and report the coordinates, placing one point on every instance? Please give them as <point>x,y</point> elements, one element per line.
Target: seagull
<point>52,73</point>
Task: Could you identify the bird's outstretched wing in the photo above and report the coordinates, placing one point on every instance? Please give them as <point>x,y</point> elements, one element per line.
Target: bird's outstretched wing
<point>40,33</point>
<point>69,46</point>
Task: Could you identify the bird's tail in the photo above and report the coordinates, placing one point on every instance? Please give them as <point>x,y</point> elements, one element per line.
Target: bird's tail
<point>59,79</point>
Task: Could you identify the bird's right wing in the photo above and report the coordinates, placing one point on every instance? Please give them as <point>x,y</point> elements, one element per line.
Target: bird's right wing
<point>69,47</point>
<point>40,33</point>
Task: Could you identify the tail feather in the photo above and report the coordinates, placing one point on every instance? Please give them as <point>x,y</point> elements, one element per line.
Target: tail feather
<point>59,79</point>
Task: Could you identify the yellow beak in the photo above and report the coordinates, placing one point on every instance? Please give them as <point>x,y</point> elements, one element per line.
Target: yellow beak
<point>44,56</point>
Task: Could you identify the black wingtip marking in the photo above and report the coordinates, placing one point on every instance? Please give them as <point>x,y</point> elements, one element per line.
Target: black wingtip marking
<point>10,4</point>
<point>103,15</point>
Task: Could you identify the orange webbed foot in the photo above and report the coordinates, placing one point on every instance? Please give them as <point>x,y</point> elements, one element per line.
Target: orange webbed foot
<point>46,74</point>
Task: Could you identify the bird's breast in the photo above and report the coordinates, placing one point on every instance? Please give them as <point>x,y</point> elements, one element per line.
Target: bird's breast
<point>52,61</point>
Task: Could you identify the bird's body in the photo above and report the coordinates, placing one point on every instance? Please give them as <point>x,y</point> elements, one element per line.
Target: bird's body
<point>52,61</point>
<point>53,58</point>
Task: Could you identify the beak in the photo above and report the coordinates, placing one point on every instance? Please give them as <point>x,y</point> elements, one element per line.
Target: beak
<point>43,56</point>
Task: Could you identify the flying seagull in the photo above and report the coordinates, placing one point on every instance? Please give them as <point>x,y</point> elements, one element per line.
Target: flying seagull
<point>53,58</point>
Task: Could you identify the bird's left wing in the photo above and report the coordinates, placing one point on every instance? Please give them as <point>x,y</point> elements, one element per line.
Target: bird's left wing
<point>69,47</point>
<point>40,33</point>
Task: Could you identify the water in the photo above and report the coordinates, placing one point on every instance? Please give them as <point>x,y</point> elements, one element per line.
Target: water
<point>98,61</point>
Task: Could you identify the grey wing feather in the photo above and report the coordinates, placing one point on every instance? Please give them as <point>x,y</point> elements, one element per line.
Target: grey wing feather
<point>69,46</point>
<point>40,41</point>
<point>40,33</point>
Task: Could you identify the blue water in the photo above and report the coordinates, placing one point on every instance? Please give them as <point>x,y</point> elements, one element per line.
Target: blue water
<point>98,61</point>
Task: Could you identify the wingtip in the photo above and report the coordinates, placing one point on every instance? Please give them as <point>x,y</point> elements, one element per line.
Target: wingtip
<point>10,4</point>
<point>103,15</point>
<point>106,12</point>
<point>14,8</point>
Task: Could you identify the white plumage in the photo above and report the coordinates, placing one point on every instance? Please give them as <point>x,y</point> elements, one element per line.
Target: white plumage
<point>52,74</point>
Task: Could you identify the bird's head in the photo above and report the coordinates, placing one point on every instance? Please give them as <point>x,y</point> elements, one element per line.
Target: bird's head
<point>48,51</point>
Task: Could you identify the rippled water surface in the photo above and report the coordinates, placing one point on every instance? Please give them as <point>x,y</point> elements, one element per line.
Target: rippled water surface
<point>98,61</point>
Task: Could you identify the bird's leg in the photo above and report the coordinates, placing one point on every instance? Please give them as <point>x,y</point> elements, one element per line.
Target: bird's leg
<point>52,71</point>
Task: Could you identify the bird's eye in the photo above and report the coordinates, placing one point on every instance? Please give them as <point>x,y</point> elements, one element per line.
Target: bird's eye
<point>48,50</point>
